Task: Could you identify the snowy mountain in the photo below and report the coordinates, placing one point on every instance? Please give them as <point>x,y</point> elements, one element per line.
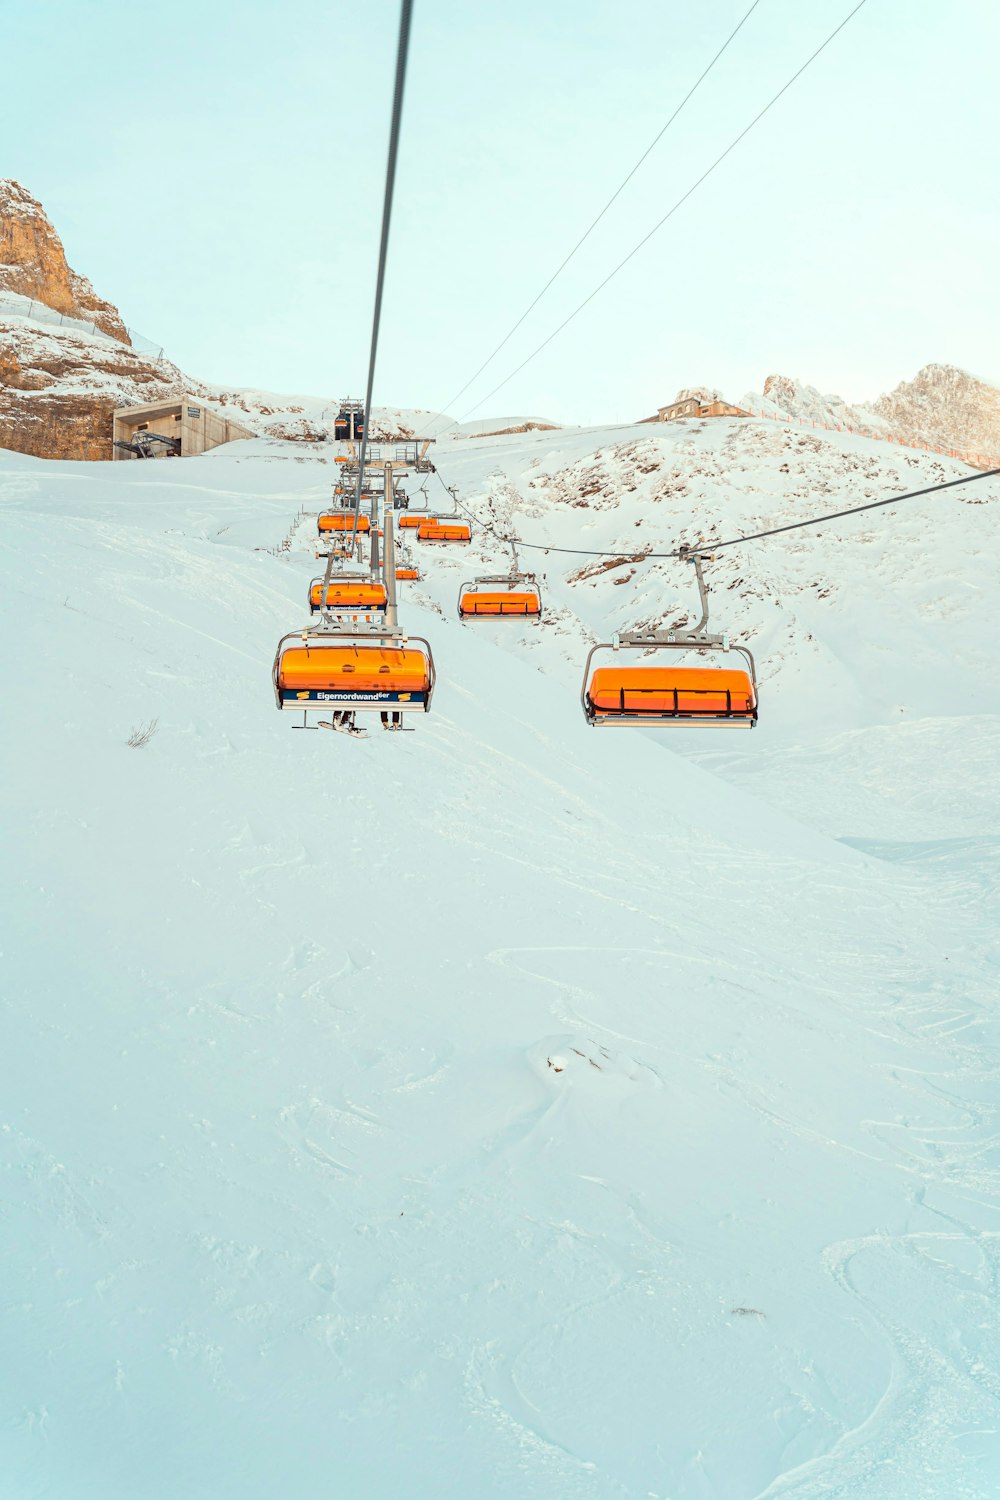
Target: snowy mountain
<point>785,397</point>
<point>67,359</point>
<point>33,264</point>
<point>944,405</point>
<point>506,1109</point>
<point>311,418</point>
<point>60,385</point>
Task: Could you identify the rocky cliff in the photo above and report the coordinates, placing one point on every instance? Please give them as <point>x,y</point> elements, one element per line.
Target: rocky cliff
<point>59,388</point>
<point>33,264</point>
<point>60,383</point>
<point>942,406</point>
<point>784,396</point>
<point>947,406</point>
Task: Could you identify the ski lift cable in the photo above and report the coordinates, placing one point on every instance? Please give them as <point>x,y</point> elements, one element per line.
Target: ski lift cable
<point>931,489</point>
<point>668,215</point>
<point>402,53</point>
<point>754,536</point>
<point>614,196</point>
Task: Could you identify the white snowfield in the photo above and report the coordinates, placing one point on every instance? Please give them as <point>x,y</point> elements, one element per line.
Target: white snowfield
<point>508,1110</point>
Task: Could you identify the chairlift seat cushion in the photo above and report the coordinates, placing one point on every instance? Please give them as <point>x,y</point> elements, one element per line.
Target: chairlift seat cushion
<point>409,522</point>
<point>349,595</point>
<point>342,521</point>
<point>360,669</point>
<point>710,692</point>
<point>502,602</point>
<point>440,531</point>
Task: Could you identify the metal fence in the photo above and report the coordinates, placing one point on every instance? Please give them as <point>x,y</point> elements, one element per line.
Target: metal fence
<point>40,312</point>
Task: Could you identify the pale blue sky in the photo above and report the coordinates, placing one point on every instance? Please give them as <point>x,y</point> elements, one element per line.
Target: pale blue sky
<point>217,172</point>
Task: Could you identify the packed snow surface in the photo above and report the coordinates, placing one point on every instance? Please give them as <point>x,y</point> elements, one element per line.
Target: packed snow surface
<point>506,1109</point>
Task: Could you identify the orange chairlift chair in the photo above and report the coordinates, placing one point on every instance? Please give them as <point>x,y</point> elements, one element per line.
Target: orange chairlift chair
<point>510,596</point>
<point>444,529</point>
<point>406,567</point>
<point>371,669</point>
<point>341,520</point>
<point>348,593</point>
<point>414,513</point>
<point>652,695</point>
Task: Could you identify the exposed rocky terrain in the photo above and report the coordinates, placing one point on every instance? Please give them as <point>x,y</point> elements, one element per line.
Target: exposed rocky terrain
<point>60,383</point>
<point>33,264</point>
<point>942,404</point>
<point>784,396</point>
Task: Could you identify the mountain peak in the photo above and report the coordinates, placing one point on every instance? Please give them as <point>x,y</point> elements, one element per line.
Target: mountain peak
<point>786,396</point>
<point>947,406</point>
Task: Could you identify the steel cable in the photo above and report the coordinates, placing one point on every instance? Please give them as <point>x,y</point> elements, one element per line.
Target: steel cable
<point>669,215</point>
<point>615,195</point>
<point>402,52</point>
<point>753,536</point>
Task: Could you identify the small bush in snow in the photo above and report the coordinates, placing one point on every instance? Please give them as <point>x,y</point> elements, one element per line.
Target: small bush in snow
<point>142,734</point>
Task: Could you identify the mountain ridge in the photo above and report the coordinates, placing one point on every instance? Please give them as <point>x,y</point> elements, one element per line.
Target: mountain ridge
<point>60,385</point>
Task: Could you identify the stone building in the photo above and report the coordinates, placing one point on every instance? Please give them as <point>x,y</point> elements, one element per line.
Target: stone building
<point>694,406</point>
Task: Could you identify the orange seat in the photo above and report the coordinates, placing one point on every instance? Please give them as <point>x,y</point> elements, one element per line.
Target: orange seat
<point>503,603</point>
<point>353,669</point>
<point>691,692</point>
<point>349,595</point>
<point>407,573</point>
<point>444,531</point>
<point>408,522</point>
<point>342,520</point>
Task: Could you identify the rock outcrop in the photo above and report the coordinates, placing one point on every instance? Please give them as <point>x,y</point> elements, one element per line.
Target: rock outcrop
<point>59,388</point>
<point>784,396</point>
<point>60,383</point>
<point>704,393</point>
<point>33,264</point>
<point>943,405</point>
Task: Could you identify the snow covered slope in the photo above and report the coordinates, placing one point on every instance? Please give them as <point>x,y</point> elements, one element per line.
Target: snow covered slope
<point>505,1109</point>
<point>281,416</point>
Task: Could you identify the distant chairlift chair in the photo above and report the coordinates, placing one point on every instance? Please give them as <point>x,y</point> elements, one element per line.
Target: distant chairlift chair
<point>509,596</point>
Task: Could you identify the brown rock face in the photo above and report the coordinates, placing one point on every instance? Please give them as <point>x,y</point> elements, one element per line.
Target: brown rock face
<point>33,263</point>
<point>59,390</point>
<point>60,384</point>
<point>946,406</point>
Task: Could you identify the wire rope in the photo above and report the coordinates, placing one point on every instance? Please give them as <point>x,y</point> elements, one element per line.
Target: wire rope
<point>614,196</point>
<point>402,53</point>
<point>753,536</point>
<point>668,215</point>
